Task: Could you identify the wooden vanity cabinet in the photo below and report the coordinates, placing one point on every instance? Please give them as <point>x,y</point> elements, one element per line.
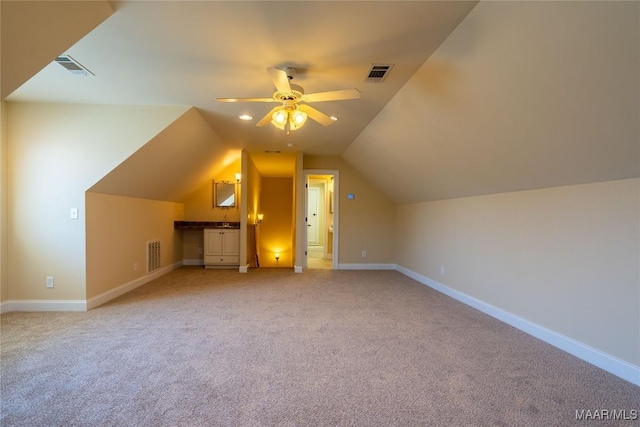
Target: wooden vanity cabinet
<point>221,247</point>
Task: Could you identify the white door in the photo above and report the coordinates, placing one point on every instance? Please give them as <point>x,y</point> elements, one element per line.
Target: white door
<point>312,216</point>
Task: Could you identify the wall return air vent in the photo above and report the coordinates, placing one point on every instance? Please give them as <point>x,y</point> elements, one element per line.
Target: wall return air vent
<point>154,259</point>
<point>73,66</point>
<point>378,73</point>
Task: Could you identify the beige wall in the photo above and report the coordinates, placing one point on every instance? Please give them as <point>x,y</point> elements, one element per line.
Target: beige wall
<point>298,208</point>
<point>4,289</point>
<point>565,258</point>
<point>118,229</point>
<point>198,205</point>
<point>55,153</point>
<point>275,232</point>
<point>254,187</point>
<point>366,222</point>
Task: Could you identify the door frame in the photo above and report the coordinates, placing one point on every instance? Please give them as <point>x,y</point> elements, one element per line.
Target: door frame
<point>336,213</point>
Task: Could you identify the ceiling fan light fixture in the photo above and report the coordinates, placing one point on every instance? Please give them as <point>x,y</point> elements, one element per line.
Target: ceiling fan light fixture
<point>245,117</point>
<point>290,115</point>
<point>299,117</point>
<point>280,117</point>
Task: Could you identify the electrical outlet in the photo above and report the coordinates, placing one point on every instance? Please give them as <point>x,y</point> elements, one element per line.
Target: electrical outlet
<point>135,266</point>
<point>442,270</point>
<point>73,213</point>
<point>200,250</point>
<point>49,282</point>
<point>364,254</point>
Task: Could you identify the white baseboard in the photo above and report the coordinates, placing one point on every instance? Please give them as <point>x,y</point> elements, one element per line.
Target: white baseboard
<point>366,267</point>
<point>43,305</point>
<point>297,269</point>
<point>607,362</point>
<point>127,287</point>
<point>244,268</point>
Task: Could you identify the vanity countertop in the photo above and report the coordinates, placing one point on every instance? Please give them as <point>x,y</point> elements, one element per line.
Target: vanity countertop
<point>200,225</point>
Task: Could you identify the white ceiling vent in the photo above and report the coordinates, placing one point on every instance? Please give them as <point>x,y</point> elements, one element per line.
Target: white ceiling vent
<point>73,66</point>
<point>378,73</point>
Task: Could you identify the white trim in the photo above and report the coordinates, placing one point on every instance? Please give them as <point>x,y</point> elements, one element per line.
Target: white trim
<point>297,269</point>
<point>244,268</point>
<point>367,267</point>
<point>196,261</point>
<point>127,287</point>
<point>43,305</point>
<point>602,360</point>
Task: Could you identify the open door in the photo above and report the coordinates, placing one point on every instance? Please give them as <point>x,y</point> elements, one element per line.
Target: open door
<point>321,219</point>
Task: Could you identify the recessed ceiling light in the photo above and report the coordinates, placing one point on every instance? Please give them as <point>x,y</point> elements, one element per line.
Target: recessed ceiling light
<point>245,117</point>
<point>334,118</point>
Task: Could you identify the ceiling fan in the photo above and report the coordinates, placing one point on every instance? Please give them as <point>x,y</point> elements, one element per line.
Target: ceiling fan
<point>292,113</point>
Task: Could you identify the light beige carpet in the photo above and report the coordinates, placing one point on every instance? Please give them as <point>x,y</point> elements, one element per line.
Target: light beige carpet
<point>272,348</point>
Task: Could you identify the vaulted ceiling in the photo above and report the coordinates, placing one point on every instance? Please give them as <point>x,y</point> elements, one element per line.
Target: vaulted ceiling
<point>483,97</point>
<point>189,53</point>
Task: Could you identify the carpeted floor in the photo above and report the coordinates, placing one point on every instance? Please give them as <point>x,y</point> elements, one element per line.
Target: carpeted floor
<point>272,348</point>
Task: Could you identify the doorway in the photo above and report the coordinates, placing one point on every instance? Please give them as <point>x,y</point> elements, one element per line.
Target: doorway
<point>321,219</point>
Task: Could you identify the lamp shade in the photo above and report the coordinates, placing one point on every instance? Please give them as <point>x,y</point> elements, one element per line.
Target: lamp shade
<point>279,118</point>
<point>298,118</point>
<point>288,118</point>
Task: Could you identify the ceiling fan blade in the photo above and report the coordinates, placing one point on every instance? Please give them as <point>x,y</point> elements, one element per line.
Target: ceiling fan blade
<point>334,95</point>
<point>280,80</point>
<point>267,119</point>
<point>316,115</point>
<point>246,100</point>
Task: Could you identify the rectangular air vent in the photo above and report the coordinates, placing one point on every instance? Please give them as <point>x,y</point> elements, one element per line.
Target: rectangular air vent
<point>378,73</point>
<point>73,66</point>
<point>154,261</point>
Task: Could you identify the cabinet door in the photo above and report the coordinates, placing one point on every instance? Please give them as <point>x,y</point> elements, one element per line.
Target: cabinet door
<point>212,242</point>
<point>231,242</point>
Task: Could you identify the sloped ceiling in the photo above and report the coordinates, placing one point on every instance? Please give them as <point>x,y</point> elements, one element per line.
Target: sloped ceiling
<point>517,95</point>
<point>34,33</point>
<point>522,95</point>
<point>191,52</point>
<point>172,164</point>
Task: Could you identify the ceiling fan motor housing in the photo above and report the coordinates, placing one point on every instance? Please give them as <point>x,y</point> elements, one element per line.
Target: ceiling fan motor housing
<point>295,95</point>
<point>291,72</point>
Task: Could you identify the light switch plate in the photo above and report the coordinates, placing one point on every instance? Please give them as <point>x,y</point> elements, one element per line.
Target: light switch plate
<point>73,213</point>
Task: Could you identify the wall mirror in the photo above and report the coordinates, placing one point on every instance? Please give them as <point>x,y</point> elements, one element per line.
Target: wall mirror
<point>224,194</point>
